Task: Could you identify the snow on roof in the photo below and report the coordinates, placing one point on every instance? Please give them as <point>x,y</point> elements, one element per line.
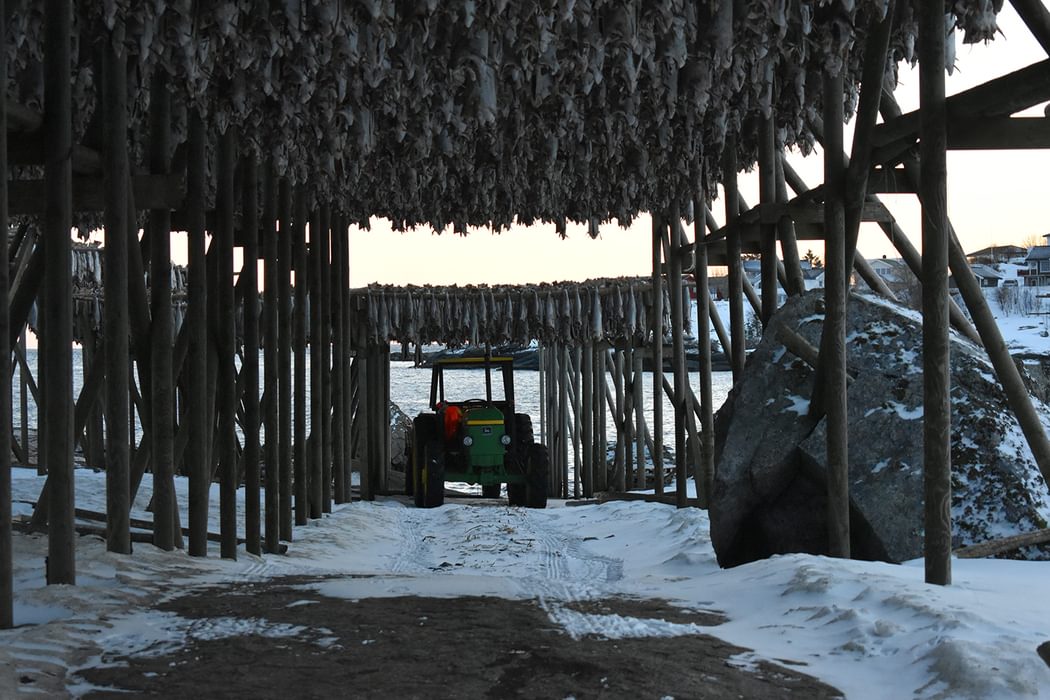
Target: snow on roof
<point>986,272</point>
<point>1039,252</point>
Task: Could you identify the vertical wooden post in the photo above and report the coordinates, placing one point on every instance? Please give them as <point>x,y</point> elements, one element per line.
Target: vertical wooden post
<point>577,466</point>
<point>542,364</point>
<point>703,335</point>
<point>271,341</point>
<point>834,340</point>
<point>601,387</point>
<point>338,366</point>
<point>302,507</point>
<point>638,404</point>
<point>324,338</point>
<point>116,316</point>
<point>767,174</point>
<point>58,294</point>
<point>935,344</point>
<point>314,442</point>
<point>384,414</point>
<point>658,354</point>
<point>249,284</point>
<point>197,453</point>
<point>93,443</point>
<point>226,386</point>
<point>23,377</point>
<point>284,354</point>
<point>162,330</point>
<point>587,416</point>
<point>681,378</point>
<point>7,616</point>
<point>348,396</point>
<point>737,352</point>
<point>618,419</point>
<point>363,364</point>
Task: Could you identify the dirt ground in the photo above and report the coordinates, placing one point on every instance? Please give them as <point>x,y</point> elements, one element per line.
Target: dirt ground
<point>412,647</point>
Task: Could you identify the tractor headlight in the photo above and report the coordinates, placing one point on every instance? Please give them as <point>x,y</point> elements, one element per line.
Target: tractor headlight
<point>505,439</point>
<point>468,441</point>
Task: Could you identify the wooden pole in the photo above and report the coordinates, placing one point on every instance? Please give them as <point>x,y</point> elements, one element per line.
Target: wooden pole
<point>7,615</point>
<point>285,240</point>
<point>162,393</point>
<point>681,378</point>
<point>338,367</point>
<point>315,445</point>
<point>115,286</point>
<point>197,453</point>
<point>933,144</point>
<point>226,387</point>
<point>737,352</point>
<point>638,404</point>
<point>703,336</point>
<point>618,418</point>
<point>542,364</point>
<point>302,508</point>
<point>56,349</point>
<point>658,354</point>
<point>271,375</point>
<point>348,397</point>
<point>834,333</point>
<point>589,453</point>
<point>767,182</point>
<point>577,399</point>
<point>796,283</point>
<point>601,435</point>
<point>249,284</point>
<point>324,338</point>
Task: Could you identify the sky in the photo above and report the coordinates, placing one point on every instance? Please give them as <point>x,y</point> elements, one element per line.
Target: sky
<point>993,198</point>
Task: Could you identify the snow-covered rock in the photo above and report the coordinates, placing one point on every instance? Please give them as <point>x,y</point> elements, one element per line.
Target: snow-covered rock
<point>771,459</point>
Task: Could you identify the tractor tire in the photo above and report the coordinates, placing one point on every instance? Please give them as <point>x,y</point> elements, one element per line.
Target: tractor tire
<point>433,478</point>
<point>424,431</point>
<point>490,491</point>
<point>516,494</point>
<point>522,432</point>
<point>536,479</point>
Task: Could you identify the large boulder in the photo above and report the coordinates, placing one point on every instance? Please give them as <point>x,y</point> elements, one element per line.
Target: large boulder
<point>770,474</point>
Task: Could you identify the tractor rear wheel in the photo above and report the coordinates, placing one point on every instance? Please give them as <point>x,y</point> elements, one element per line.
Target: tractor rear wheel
<point>433,478</point>
<point>536,476</point>
<point>490,491</point>
<point>516,494</point>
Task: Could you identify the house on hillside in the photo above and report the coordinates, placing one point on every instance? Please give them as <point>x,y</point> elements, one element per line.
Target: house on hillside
<point>1038,261</point>
<point>986,275</point>
<point>996,254</point>
<point>892,271</point>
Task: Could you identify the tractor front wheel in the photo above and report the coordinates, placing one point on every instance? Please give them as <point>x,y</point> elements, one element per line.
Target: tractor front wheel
<point>490,491</point>
<point>424,432</point>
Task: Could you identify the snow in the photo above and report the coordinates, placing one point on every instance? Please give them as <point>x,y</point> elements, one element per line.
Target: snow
<point>869,629</point>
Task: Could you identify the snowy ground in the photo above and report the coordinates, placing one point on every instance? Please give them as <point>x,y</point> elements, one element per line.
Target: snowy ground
<point>871,630</point>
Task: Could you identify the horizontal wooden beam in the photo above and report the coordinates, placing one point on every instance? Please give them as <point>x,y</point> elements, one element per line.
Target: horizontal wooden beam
<point>999,133</point>
<point>28,149</point>
<point>1001,97</point>
<point>151,192</point>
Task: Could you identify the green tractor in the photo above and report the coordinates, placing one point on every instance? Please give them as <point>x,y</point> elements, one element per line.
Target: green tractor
<point>475,440</point>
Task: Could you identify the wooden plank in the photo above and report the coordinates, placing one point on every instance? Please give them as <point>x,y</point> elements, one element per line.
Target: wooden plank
<point>324,338</point>
<point>285,238</point>
<point>302,508</point>
<point>658,351</point>
<point>1001,97</point>
<point>1037,18</point>
<point>999,133</point>
<point>151,192</point>
<point>1003,545</point>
